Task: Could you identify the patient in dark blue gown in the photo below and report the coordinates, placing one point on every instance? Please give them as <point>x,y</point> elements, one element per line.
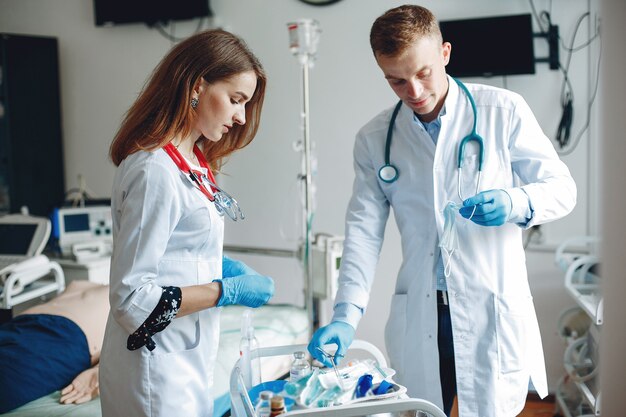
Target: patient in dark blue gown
<point>54,346</point>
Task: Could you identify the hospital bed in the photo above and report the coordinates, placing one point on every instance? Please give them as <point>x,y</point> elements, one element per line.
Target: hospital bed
<point>28,280</point>
<point>578,390</point>
<point>578,258</point>
<point>25,273</point>
<point>274,325</point>
<point>400,405</point>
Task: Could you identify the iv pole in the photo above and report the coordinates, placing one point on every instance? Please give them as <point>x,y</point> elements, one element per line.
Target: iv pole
<point>303,39</point>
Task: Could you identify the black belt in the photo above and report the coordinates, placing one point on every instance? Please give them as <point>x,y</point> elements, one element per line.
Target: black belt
<point>442,298</point>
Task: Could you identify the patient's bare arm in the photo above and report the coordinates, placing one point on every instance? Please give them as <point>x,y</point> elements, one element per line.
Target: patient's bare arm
<point>83,388</point>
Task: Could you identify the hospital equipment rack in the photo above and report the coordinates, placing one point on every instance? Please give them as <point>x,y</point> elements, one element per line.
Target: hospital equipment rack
<point>582,282</point>
<point>241,405</point>
<point>36,280</point>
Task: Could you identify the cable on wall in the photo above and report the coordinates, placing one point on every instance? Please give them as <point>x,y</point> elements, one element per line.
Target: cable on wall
<point>589,106</point>
<point>564,129</point>
<point>160,27</point>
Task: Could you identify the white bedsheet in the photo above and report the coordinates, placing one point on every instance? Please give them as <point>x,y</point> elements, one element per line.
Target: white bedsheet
<point>274,325</point>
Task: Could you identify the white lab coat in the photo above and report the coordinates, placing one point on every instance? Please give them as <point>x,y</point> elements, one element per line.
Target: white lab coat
<point>496,336</point>
<point>166,233</point>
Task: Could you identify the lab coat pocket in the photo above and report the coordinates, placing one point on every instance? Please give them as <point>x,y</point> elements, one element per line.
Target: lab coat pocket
<point>181,334</point>
<point>209,270</point>
<point>178,384</point>
<point>395,331</point>
<point>469,175</point>
<point>512,315</point>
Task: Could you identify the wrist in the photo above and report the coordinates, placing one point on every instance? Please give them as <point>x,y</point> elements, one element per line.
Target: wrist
<point>347,313</point>
<point>216,292</point>
<point>520,206</point>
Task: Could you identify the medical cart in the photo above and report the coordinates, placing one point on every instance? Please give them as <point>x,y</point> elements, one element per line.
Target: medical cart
<point>241,405</point>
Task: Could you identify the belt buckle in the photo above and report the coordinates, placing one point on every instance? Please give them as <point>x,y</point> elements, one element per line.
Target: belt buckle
<point>442,297</point>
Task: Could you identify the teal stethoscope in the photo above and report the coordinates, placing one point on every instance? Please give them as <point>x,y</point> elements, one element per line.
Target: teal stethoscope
<point>389,173</point>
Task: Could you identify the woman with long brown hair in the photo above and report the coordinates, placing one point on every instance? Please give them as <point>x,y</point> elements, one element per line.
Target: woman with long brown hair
<point>168,273</point>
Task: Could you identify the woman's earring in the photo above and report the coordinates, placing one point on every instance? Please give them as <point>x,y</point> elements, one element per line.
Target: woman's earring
<point>194,102</point>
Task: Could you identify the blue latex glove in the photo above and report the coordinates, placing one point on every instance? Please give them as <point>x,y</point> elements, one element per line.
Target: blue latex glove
<point>247,290</point>
<point>337,332</point>
<point>493,208</point>
<point>233,267</point>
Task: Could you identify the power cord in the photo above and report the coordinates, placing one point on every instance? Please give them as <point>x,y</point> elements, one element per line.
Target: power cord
<point>565,125</point>
<point>160,27</point>
<point>564,129</point>
<point>589,103</point>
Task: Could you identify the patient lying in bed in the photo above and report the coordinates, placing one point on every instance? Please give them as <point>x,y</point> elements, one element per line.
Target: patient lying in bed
<point>54,346</point>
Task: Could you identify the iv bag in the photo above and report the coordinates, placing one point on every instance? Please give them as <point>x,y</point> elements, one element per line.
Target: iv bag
<point>304,35</point>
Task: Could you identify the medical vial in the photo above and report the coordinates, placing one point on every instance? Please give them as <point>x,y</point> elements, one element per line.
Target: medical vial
<point>248,344</point>
<point>277,405</point>
<point>299,367</point>
<point>263,407</point>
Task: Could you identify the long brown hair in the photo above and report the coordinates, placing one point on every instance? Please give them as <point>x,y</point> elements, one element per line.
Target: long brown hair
<point>163,108</point>
<point>400,27</point>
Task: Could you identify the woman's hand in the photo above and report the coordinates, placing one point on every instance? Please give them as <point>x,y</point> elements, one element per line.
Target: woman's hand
<point>233,267</point>
<point>247,290</point>
<point>82,389</point>
<point>243,285</point>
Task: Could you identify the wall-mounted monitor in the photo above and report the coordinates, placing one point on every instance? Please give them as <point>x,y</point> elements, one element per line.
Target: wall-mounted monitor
<point>150,12</point>
<point>484,47</point>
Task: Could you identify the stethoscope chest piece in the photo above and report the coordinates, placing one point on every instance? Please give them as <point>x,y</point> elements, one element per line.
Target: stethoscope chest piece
<point>388,173</point>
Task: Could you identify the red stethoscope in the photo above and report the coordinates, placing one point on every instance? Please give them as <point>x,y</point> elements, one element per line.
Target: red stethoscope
<point>224,202</point>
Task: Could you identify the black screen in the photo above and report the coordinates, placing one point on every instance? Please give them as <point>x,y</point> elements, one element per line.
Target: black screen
<point>76,222</point>
<point>148,11</point>
<point>15,238</point>
<point>501,45</point>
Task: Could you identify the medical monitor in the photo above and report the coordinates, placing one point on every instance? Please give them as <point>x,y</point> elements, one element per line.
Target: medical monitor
<point>73,226</point>
<point>23,235</point>
<point>150,12</point>
<point>15,238</point>
<point>490,46</point>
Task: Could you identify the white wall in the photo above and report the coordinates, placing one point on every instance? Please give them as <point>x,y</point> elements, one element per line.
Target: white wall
<point>102,70</point>
<point>613,140</point>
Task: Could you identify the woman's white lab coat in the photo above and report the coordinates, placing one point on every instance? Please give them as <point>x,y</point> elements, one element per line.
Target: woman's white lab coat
<point>496,336</point>
<point>166,233</point>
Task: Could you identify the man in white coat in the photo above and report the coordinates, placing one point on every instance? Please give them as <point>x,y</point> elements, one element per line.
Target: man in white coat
<point>462,320</point>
